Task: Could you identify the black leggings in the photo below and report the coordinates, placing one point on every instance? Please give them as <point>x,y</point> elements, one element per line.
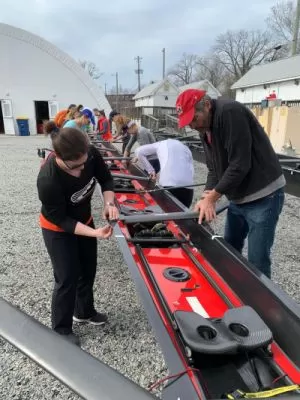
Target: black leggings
<point>184,195</point>
<point>74,261</point>
<point>125,140</point>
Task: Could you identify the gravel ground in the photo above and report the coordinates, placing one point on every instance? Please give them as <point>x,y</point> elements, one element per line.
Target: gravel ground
<point>127,342</point>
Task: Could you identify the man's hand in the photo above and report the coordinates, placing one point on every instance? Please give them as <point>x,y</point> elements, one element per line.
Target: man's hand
<point>134,160</point>
<point>110,212</point>
<point>206,207</point>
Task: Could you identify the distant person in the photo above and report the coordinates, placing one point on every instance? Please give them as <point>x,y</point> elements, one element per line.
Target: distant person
<point>176,166</point>
<point>96,112</point>
<point>61,116</point>
<point>111,118</point>
<point>65,185</point>
<point>243,166</point>
<point>142,136</point>
<point>82,122</point>
<point>272,96</point>
<point>72,114</point>
<point>103,128</point>
<point>122,129</point>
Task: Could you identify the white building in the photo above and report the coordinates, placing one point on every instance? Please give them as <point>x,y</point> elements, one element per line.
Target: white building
<point>38,79</point>
<point>203,85</point>
<point>157,96</point>
<point>161,96</point>
<point>280,77</point>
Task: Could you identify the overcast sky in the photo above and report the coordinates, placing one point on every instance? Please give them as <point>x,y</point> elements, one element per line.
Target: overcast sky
<point>112,33</point>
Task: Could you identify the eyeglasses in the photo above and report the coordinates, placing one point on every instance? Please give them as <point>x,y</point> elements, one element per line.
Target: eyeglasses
<point>71,167</point>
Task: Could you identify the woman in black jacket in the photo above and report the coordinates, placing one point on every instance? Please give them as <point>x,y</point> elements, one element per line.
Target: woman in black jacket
<point>66,183</point>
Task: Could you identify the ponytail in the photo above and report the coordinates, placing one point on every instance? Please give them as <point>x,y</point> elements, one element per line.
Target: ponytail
<point>50,128</point>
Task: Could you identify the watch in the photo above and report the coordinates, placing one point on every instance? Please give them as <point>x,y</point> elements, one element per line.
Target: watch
<point>110,204</point>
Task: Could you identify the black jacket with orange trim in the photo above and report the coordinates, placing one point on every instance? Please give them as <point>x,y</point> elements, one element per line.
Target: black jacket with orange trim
<point>66,199</point>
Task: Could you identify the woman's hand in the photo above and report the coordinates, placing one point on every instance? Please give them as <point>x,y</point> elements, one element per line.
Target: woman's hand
<point>104,233</point>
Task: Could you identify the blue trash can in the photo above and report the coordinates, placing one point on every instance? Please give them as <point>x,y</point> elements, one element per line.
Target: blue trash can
<point>23,126</point>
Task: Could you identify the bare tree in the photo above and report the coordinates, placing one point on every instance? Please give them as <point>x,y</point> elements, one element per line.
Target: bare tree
<point>183,72</point>
<point>91,69</point>
<point>210,68</point>
<point>281,22</point>
<point>238,51</point>
<point>122,90</point>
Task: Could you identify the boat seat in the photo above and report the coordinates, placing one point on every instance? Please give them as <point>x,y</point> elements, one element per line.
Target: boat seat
<point>240,329</point>
<point>247,328</point>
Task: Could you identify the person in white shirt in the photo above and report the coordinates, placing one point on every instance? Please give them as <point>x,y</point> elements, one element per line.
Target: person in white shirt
<point>176,167</point>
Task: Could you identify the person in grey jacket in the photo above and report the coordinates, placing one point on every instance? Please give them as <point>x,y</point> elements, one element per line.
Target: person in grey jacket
<point>142,136</point>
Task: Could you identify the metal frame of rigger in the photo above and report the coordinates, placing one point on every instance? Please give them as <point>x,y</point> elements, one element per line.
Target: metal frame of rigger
<point>92,380</point>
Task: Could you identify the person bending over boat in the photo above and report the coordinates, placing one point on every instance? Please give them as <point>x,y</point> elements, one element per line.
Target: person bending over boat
<point>243,166</point>
<point>62,116</point>
<point>112,116</point>
<point>82,121</point>
<point>142,136</point>
<point>177,168</point>
<point>121,122</point>
<point>103,131</point>
<point>65,185</point>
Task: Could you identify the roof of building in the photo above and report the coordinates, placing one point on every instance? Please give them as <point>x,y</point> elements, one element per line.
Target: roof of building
<point>204,84</point>
<point>150,90</point>
<point>61,56</point>
<point>276,71</point>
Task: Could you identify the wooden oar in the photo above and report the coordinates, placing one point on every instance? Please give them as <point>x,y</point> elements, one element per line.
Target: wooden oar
<point>174,216</point>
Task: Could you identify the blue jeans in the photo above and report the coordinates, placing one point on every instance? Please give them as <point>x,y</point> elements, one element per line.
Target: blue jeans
<point>258,220</point>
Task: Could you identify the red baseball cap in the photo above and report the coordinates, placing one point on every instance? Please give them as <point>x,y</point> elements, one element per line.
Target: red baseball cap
<point>185,105</point>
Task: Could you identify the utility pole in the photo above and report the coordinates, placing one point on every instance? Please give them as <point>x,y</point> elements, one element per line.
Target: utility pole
<point>117,89</point>
<point>164,62</point>
<point>105,87</point>
<point>296,29</point>
<point>139,71</point>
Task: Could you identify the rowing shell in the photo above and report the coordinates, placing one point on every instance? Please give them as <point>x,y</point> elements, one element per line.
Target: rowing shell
<point>222,325</point>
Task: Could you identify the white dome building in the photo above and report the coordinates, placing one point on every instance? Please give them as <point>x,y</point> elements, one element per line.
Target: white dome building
<point>37,80</point>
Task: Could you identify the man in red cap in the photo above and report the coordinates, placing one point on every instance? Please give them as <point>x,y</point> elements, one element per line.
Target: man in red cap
<point>243,166</point>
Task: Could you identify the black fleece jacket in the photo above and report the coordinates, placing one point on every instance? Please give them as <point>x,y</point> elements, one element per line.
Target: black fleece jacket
<point>240,158</point>
<point>66,199</point>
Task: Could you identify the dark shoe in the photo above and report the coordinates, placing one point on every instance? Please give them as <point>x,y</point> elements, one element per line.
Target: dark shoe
<point>97,319</point>
<point>72,338</point>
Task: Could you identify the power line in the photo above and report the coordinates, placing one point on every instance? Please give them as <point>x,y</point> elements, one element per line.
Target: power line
<point>139,71</point>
